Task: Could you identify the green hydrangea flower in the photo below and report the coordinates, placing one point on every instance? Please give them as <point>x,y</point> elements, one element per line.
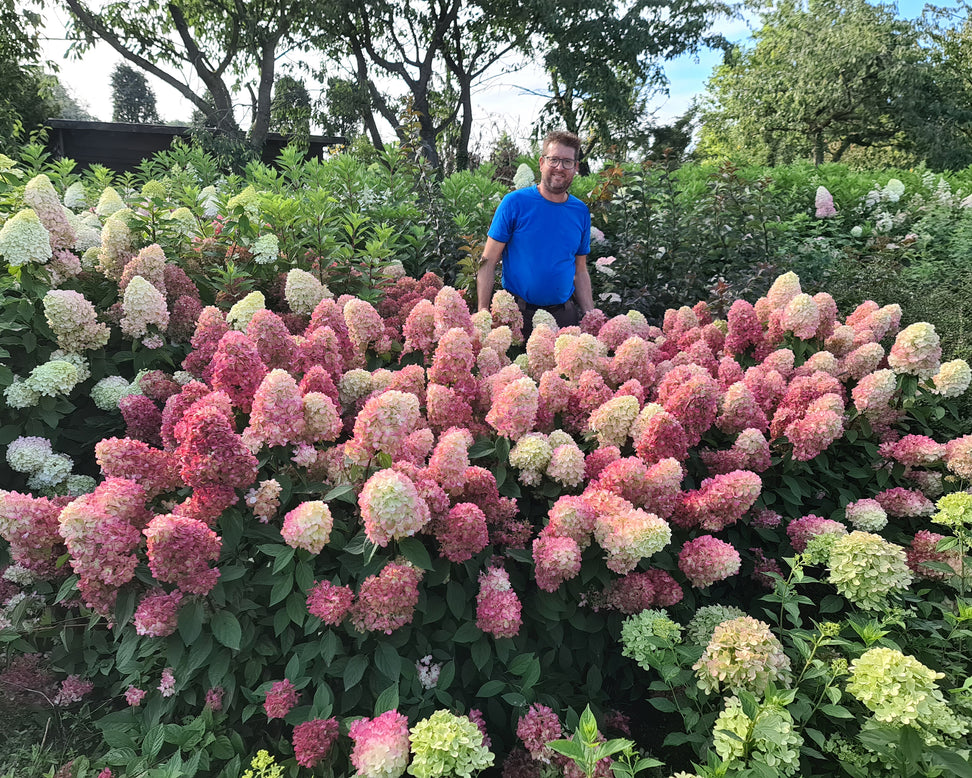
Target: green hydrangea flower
<point>646,634</point>
<point>954,510</point>
<point>766,740</point>
<point>900,691</point>
<point>447,745</point>
<point>866,568</point>
<point>707,618</point>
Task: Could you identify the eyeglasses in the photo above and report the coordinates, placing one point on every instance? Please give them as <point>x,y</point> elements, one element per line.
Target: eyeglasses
<point>566,164</point>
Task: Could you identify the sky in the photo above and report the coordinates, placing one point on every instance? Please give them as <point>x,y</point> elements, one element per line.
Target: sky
<point>508,102</point>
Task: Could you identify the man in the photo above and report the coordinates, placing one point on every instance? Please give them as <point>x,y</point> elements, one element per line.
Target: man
<point>542,236</point>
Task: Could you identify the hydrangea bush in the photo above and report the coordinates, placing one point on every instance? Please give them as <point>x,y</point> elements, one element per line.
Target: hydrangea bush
<point>325,496</point>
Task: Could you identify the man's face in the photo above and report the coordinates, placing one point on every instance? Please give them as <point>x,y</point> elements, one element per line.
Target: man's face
<point>556,179</point>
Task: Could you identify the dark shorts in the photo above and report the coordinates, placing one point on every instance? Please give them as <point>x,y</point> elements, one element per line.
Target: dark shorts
<point>565,314</point>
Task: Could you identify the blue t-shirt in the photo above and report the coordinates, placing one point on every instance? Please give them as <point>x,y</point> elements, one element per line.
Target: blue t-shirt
<point>542,241</point>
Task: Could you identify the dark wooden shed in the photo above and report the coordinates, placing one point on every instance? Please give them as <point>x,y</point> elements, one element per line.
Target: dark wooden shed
<point>121,146</point>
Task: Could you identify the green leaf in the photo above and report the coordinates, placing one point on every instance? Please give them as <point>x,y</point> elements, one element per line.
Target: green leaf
<point>836,711</point>
<point>345,493</point>
<point>490,689</point>
<point>388,662</point>
<point>68,588</point>
<point>467,633</point>
<point>297,608</point>
<point>831,603</point>
<point>387,700</point>
<point>226,629</point>
<point>569,748</point>
<point>481,652</point>
<point>415,552</point>
<point>282,587</point>
<point>190,621</point>
<point>456,599</point>
<point>663,704</point>
<point>355,671</point>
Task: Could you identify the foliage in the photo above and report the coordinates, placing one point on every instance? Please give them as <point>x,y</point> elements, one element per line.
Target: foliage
<point>26,102</point>
<point>825,77</point>
<point>604,62</point>
<point>340,495</point>
<point>225,47</point>
<point>133,100</point>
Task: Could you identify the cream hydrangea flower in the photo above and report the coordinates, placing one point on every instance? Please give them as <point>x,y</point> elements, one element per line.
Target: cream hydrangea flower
<point>743,653</point>
<point>266,249</point>
<point>23,240</point>
<point>612,420</point>
<point>304,291</point>
<point>109,202</point>
<point>242,311</point>
<point>952,378</point>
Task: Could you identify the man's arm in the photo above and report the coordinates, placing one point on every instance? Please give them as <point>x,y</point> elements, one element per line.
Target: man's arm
<point>486,277</point>
<point>582,284</point>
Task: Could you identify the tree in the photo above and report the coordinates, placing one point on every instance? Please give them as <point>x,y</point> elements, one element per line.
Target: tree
<point>344,105</point>
<point>290,109</point>
<point>823,77</point>
<point>132,98</point>
<point>428,48</point>
<point>26,98</point>
<point>604,60</point>
<point>228,45</point>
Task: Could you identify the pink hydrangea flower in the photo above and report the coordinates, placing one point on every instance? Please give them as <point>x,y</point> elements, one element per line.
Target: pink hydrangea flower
<point>462,533</point>
<point>387,601</point>
<point>706,560</point>
<point>571,517</point>
<point>381,745</point>
<point>660,436</point>
<point>801,316</point>
<point>917,451</point>
<point>556,559</point>
<point>720,501</point>
<point>179,552</point>
<point>514,410</point>
<point>917,350</point>
<point>134,696</point>
<point>538,727</point>
<point>874,391</point>
<point>391,507</point>
<point>72,690</point>
<point>308,526</point>
<point>277,415</point>
<point>801,530</point>
<point>329,602</point>
<point>630,535</point>
<point>738,410</point>
<point>824,203</point>
<point>281,697</point>
<point>383,424</point>
<point>450,458</point>
<point>958,456</point>
<point>237,369</point>
<point>899,501</point>
<point>313,741</point>
<point>214,698</point>
<point>923,549</point>
<point>157,614</point>
<point>167,682</point>
<point>30,525</point>
<point>866,514</point>
<point>497,606</point>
